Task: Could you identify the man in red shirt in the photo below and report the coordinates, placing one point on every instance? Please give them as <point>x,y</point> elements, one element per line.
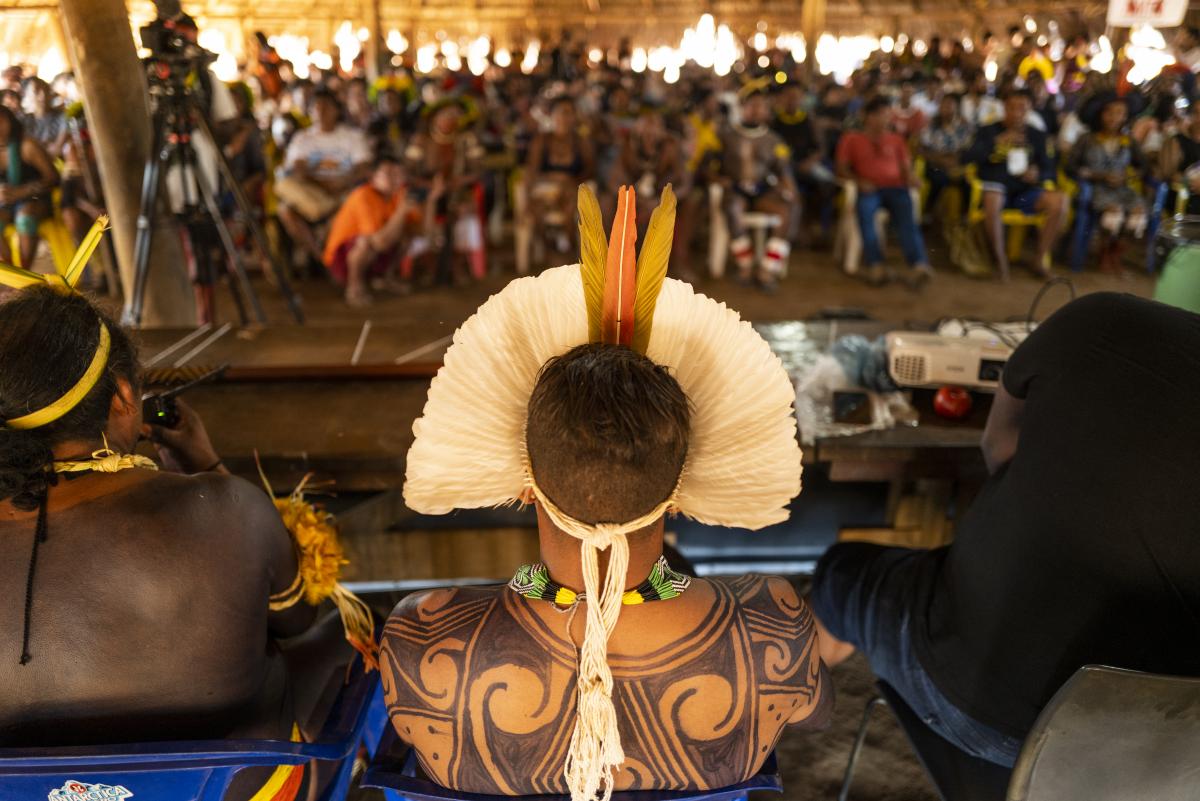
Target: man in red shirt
<point>877,160</point>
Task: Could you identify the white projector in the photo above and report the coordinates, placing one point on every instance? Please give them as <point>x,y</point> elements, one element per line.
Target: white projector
<point>918,359</point>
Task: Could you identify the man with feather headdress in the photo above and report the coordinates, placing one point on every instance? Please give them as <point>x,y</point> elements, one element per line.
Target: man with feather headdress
<point>608,396</point>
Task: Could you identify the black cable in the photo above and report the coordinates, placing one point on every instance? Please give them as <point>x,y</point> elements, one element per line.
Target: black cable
<point>1037,299</point>
<point>39,536</point>
<point>970,325</point>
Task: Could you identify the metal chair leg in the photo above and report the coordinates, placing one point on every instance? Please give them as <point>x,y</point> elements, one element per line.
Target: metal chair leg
<point>852,762</point>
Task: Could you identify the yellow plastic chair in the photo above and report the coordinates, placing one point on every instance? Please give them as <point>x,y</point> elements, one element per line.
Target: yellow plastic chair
<point>54,233</point>
<point>923,190</point>
<point>1015,220</point>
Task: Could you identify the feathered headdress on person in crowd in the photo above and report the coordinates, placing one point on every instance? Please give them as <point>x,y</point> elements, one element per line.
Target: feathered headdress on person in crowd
<point>743,461</point>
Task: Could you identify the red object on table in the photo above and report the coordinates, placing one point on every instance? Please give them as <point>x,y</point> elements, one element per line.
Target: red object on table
<point>953,403</point>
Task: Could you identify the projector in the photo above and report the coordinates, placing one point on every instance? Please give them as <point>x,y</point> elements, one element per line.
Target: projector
<point>918,359</point>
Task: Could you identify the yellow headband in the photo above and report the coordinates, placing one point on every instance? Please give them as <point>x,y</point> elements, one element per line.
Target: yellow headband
<point>63,281</point>
<point>74,395</point>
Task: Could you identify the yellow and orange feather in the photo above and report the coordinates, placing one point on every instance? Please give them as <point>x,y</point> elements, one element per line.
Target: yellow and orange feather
<point>620,282</point>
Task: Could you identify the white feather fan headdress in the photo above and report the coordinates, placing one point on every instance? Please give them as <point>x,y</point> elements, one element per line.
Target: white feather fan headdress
<point>743,460</point>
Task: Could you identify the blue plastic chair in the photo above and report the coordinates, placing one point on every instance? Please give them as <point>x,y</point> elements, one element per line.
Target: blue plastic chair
<point>1161,190</point>
<point>395,771</point>
<point>198,770</point>
<point>1085,223</point>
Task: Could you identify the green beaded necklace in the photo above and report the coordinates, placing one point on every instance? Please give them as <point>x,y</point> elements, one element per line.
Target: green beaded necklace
<point>663,583</point>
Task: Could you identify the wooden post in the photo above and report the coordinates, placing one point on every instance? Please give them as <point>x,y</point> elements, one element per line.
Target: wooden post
<point>812,25</point>
<point>113,85</point>
<point>373,48</point>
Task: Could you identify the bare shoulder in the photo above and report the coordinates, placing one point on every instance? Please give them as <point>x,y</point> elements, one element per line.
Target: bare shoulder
<point>783,630</point>
<point>770,597</point>
<point>426,621</point>
<point>216,490</point>
<point>220,508</point>
<point>436,604</point>
<point>424,661</point>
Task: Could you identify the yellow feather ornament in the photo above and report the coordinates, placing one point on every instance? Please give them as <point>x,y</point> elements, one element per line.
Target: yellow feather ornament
<point>652,268</point>
<point>64,281</point>
<point>593,244</point>
<point>319,558</point>
<point>85,250</point>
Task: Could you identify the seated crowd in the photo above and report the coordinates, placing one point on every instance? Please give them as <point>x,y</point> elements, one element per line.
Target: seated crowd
<point>760,156</point>
<point>162,604</point>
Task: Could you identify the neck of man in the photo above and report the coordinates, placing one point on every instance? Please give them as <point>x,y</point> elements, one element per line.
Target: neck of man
<point>561,554</point>
<point>77,449</point>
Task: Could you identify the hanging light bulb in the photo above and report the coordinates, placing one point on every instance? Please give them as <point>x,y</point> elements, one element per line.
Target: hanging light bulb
<point>426,58</point>
<point>638,59</point>
<point>348,45</point>
<point>396,42</point>
<point>532,53</point>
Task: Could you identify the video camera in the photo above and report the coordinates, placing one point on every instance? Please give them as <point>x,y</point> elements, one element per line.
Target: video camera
<point>174,53</point>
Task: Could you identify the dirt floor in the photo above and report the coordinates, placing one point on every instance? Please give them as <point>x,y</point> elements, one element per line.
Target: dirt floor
<point>814,284</point>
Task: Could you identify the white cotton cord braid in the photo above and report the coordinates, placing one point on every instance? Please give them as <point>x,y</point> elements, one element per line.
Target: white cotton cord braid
<point>595,752</point>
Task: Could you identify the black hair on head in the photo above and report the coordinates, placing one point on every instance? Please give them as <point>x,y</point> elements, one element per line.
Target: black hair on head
<point>876,104</point>
<point>607,433</point>
<point>49,340</point>
<point>16,128</point>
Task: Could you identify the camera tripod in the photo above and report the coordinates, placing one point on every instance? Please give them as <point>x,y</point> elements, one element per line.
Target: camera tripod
<point>177,117</point>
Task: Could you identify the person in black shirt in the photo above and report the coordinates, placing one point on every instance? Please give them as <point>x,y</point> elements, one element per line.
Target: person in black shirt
<point>1016,167</point>
<point>795,127</point>
<point>1081,548</point>
<point>1179,154</point>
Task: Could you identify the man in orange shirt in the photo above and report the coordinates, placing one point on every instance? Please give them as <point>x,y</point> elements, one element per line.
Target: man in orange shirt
<point>364,240</point>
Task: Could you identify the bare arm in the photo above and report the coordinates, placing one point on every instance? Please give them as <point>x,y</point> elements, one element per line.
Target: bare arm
<point>37,156</point>
<point>1169,159</point>
<point>1002,431</point>
<point>533,159</point>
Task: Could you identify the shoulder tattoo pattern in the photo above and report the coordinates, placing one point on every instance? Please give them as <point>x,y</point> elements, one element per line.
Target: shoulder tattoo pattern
<point>484,690</point>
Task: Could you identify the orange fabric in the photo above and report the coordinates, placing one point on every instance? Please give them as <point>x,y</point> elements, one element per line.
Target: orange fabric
<point>291,786</point>
<point>285,781</point>
<point>364,212</point>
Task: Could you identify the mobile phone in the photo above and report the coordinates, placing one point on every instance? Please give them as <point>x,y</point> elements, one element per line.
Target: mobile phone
<point>852,407</point>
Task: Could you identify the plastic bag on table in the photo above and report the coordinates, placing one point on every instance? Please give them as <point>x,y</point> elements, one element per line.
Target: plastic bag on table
<point>814,398</point>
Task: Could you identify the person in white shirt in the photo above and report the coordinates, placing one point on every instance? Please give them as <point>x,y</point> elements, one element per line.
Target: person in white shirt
<point>322,164</point>
<point>1187,48</point>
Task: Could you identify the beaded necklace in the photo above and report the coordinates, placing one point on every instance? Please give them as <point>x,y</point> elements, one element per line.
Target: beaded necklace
<point>663,583</point>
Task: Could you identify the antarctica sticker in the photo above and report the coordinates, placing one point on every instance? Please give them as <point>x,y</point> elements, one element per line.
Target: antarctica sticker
<point>74,790</point>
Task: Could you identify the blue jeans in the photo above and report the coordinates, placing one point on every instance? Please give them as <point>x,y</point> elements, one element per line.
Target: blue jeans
<point>861,593</point>
<point>899,205</point>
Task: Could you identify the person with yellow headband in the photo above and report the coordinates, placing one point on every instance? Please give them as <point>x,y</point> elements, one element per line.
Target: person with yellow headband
<point>609,397</point>
<point>139,604</point>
